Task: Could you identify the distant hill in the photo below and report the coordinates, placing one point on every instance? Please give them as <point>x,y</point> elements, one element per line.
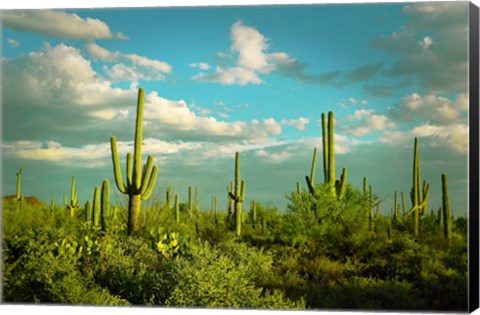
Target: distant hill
<point>32,200</point>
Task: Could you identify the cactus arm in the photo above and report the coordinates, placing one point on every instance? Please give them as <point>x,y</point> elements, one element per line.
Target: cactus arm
<point>19,183</point>
<point>116,166</point>
<point>314,165</point>
<point>151,184</point>
<point>309,184</point>
<point>147,172</point>
<point>243,190</point>
<point>343,185</point>
<point>137,162</point>
<point>130,171</point>
<point>72,192</point>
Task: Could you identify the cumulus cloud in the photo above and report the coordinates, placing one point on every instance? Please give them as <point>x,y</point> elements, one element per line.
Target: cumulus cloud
<point>299,123</point>
<point>249,48</point>
<point>58,24</point>
<point>438,62</point>
<point>364,122</point>
<point>200,65</point>
<point>454,136</point>
<point>137,67</point>
<point>434,108</point>
<point>13,43</point>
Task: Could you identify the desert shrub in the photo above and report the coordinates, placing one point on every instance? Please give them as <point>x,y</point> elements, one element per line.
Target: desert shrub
<point>208,277</point>
<point>130,268</point>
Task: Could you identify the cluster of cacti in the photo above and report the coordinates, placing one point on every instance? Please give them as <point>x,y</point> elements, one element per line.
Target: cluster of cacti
<point>73,203</point>
<point>97,213</point>
<point>337,187</point>
<point>140,183</point>
<point>395,211</point>
<point>239,196</point>
<point>419,194</point>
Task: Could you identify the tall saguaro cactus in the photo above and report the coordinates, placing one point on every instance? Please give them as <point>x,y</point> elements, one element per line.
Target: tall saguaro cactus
<point>446,211</point>
<point>337,187</point>
<point>18,196</point>
<point>73,203</point>
<point>140,183</point>
<point>418,194</point>
<point>239,195</point>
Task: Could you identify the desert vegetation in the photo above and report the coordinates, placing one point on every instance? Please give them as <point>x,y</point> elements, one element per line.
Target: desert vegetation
<point>332,247</point>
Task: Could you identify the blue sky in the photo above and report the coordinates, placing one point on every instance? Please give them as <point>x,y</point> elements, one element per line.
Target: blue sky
<point>253,79</point>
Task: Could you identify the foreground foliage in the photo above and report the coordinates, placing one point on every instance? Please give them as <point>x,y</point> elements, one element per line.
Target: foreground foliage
<point>320,253</point>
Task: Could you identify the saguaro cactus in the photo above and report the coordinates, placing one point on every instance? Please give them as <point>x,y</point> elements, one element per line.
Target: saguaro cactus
<point>419,195</point>
<point>18,196</point>
<point>337,187</point>
<point>97,208</point>
<point>239,195</point>
<point>73,203</point>
<point>140,184</point>
<point>105,204</point>
<point>88,211</point>
<point>189,201</point>
<point>446,211</point>
<point>168,194</point>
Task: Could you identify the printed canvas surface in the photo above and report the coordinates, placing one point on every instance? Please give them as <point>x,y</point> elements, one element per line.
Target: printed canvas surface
<point>286,157</point>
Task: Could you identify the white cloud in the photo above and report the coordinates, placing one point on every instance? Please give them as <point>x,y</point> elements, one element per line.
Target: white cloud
<point>137,67</point>
<point>87,156</point>
<point>229,76</point>
<point>426,42</point>
<point>299,123</point>
<point>364,102</point>
<point>434,108</point>
<point>453,136</point>
<point>249,47</point>
<point>58,23</point>
<point>13,43</point>
<point>200,65</point>
<point>363,122</point>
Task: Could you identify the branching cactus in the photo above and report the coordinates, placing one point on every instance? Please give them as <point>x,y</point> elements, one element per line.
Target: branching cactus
<point>239,196</point>
<point>419,195</point>
<point>446,211</point>
<point>140,183</point>
<point>73,203</point>
<point>337,187</point>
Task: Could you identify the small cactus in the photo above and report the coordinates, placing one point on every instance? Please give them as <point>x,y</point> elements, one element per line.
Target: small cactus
<point>73,203</point>
<point>239,196</point>
<point>177,209</point>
